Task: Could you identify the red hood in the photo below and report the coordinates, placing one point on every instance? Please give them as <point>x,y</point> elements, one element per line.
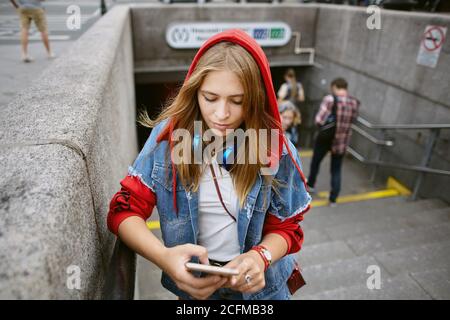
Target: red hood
<point>243,39</point>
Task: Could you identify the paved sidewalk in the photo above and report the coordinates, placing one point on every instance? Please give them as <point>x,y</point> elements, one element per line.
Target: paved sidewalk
<point>16,75</point>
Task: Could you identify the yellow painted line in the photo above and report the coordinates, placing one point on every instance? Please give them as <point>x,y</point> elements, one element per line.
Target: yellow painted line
<point>392,183</point>
<point>323,194</point>
<point>359,197</point>
<point>152,225</point>
<point>319,203</point>
<point>305,154</point>
<point>393,189</point>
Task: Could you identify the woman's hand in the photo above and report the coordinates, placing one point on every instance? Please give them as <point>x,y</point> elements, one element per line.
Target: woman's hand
<point>250,265</point>
<point>174,266</point>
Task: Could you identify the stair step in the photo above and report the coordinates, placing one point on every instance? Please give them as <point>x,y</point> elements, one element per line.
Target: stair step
<point>364,226</point>
<point>401,287</point>
<point>403,238</point>
<point>416,259</point>
<point>314,236</point>
<point>349,206</point>
<point>324,252</point>
<point>398,239</point>
<point>336,274</point>
<point>319,219</point>
<point>436,282</point>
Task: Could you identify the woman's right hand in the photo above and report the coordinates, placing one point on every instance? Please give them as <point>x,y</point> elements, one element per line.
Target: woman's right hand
<point>174,265</point>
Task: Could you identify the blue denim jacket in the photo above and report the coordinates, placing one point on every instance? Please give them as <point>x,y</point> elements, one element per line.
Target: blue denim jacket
<point>151,168</point>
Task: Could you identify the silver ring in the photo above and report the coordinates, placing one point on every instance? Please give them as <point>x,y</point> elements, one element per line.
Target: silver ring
<point>248,278</point>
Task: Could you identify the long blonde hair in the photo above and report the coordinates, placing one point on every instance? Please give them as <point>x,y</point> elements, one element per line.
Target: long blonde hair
<point>287,105</point>
<point>184,110</point>
<point>292,79</point>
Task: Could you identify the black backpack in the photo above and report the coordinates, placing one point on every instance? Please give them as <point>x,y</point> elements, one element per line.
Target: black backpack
<point>327,131</point>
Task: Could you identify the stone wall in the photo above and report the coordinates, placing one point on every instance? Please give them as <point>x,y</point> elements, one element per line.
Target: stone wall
<point>65,143</point>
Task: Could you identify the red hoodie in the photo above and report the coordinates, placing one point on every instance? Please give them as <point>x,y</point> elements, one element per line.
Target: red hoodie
<point>135,199</point>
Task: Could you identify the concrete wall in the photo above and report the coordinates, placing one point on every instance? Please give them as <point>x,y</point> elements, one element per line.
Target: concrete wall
<point>381,68</point>
<point>151,52</point>
<point>64,144</point>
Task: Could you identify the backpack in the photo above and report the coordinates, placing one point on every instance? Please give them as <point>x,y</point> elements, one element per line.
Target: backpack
<point>327,131</point>
<point>288,95</point>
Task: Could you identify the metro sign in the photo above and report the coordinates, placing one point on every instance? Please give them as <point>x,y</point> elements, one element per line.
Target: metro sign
<point>185,35</point>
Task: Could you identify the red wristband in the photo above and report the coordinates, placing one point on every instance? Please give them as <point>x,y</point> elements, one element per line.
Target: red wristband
<point>263,252</point>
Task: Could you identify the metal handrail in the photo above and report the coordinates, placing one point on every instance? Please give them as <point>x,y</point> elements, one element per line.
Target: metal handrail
<point>421,126</point>
<point>373,139</point>
<point>421,169</point>
<point>362,159</point>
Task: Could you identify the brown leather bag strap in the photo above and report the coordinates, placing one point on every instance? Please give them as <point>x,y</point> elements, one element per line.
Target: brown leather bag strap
<point>218,192</point>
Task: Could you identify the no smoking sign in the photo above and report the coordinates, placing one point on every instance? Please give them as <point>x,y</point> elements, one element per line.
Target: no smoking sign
<point>431,45</point>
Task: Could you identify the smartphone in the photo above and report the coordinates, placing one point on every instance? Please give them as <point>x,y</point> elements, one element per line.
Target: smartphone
<point>211,269</point>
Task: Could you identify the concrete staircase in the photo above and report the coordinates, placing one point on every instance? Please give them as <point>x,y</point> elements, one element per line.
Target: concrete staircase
<point>408,241</point>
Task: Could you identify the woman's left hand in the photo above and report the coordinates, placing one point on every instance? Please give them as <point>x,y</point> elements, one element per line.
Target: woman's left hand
<point>251,273</point>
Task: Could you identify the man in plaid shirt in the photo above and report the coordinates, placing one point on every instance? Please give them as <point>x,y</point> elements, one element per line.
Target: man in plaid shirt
<point>346,112</point>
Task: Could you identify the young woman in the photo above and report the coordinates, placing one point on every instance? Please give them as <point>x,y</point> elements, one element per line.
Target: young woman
<point>235,215</point>
<point>290,119</point>
<point>291,90</point>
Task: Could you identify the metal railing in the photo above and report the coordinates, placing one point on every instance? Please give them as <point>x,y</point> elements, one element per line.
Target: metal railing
<point>421,169</point>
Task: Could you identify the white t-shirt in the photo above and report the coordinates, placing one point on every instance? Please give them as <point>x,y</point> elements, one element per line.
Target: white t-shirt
<point>218,232</point>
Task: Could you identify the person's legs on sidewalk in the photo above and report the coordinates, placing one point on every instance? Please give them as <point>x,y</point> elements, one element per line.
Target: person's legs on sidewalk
<point>24,41</point>
<point>318,154</point>
<point>41,23</point>
<point>25,20</point>
<point>335,169</point>
<point>44,36</point>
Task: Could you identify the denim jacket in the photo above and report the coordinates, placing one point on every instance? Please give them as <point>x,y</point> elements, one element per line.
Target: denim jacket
<point>180,229</point>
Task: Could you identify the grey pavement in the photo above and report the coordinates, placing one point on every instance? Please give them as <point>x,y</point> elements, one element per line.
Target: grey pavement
<point>16,75</point>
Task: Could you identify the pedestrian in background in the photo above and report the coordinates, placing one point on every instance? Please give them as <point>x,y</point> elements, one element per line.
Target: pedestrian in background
<point>290,119</point>
<point>345,108</point>
<point>291,89</point>
<point>32,10</point>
